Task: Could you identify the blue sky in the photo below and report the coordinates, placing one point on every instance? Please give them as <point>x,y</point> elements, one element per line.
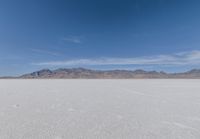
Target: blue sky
<point>99,34</point>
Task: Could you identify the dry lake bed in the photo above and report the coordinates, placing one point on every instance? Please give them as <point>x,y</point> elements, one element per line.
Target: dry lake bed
<point>99,109</point>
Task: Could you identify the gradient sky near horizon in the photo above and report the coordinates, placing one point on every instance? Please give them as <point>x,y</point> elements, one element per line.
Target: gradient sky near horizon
<point>99,34</point>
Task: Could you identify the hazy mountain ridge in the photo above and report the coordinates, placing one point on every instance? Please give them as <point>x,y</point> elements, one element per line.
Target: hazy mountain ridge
<point>82,73</point>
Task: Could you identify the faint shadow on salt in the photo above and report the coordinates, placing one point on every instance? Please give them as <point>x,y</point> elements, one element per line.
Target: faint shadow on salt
<point>16,106</point>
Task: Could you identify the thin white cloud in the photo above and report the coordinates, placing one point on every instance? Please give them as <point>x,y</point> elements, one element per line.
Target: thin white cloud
<point>45,52</point>
<point>183,58</point>
<point>73,39</point>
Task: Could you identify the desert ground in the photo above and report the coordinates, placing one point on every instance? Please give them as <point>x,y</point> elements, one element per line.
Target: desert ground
<point>100,109</point>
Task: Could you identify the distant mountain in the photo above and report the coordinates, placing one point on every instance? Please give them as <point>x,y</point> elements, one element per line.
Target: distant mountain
<point>75,73</point>
<point>82,73</point>
<point>193,74</point>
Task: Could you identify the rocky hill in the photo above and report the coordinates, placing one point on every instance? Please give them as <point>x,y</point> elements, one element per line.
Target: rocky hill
<point>82,73</point>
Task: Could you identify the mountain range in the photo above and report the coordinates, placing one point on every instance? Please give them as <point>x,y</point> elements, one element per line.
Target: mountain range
<point>82,73</point>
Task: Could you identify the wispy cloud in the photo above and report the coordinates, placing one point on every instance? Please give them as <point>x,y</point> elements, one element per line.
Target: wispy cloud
<point>183,58</point>
<point>73,39</point>
<point>41,51</point>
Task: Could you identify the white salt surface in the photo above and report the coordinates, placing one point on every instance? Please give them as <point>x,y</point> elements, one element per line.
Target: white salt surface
<point>99,109</point>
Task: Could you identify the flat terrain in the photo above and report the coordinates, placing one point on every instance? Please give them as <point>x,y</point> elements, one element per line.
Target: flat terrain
<point>99,109</point>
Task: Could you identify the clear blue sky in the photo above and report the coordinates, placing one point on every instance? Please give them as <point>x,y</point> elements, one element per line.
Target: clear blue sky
<point>99,34</point>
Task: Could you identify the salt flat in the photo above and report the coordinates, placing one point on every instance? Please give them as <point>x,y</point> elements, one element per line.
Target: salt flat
<point>99,109</point>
